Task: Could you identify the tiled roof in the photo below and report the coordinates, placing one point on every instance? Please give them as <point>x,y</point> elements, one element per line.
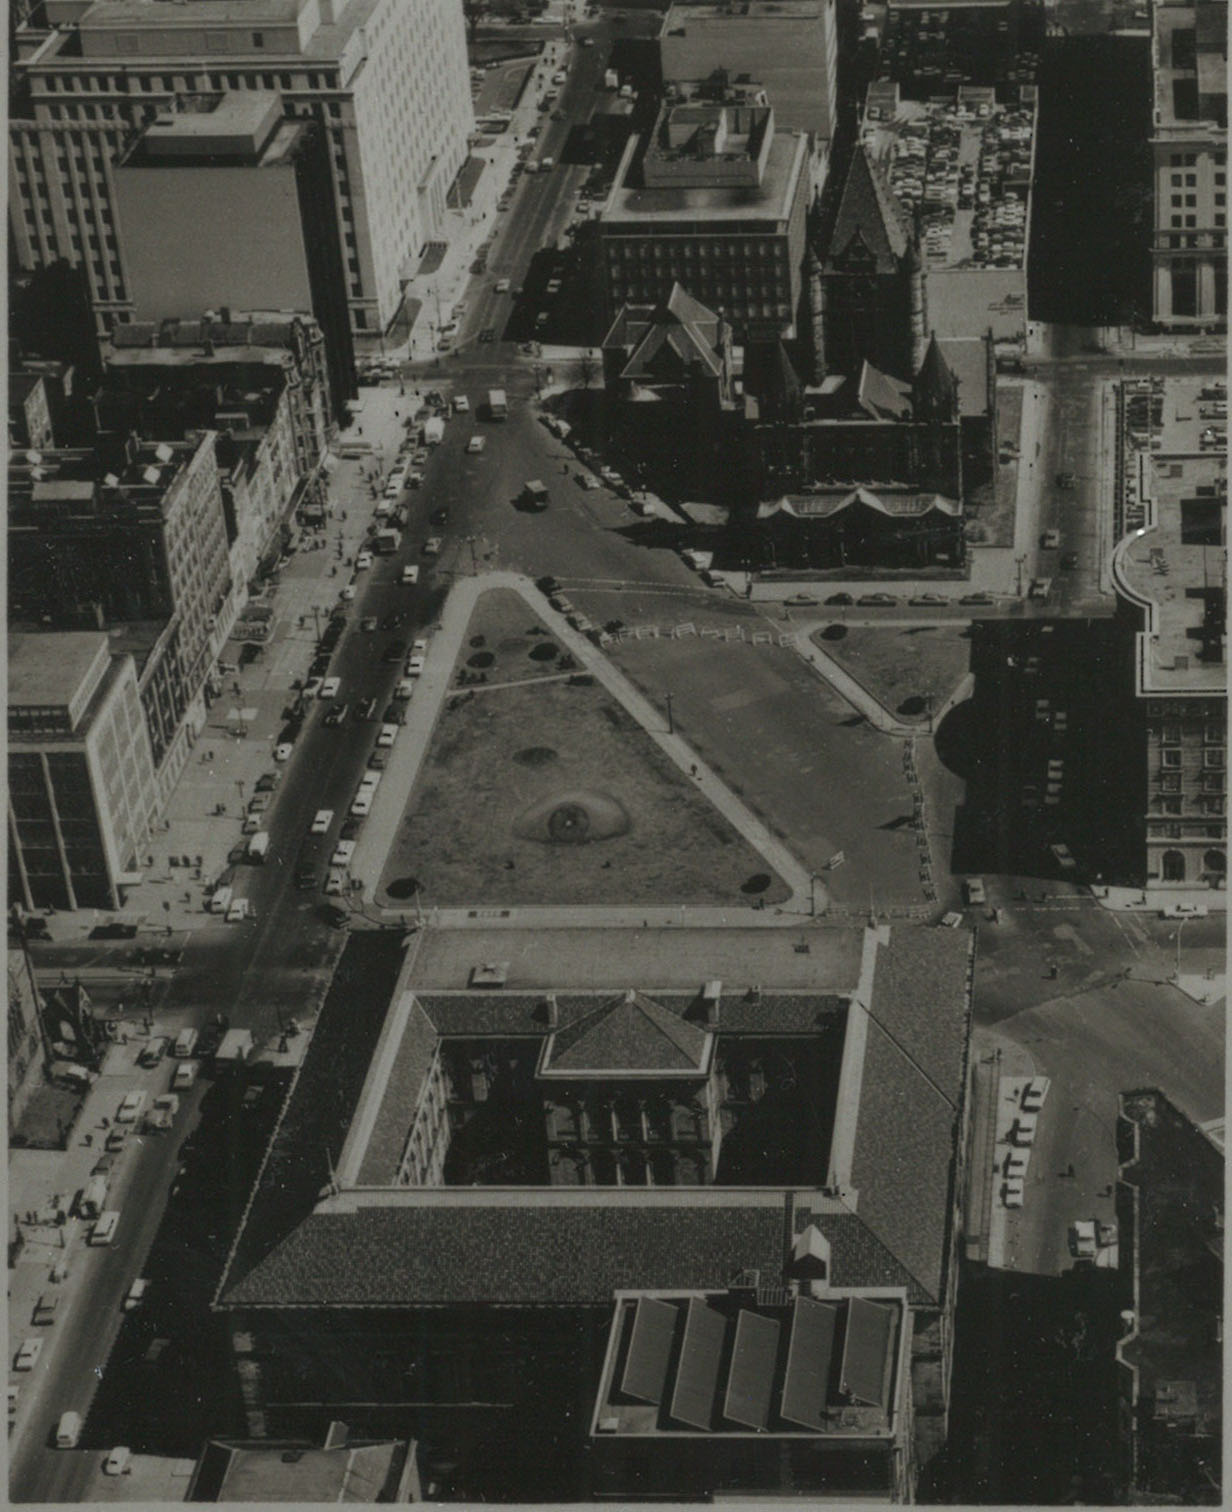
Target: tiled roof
<point>870,210</point>
<point>416,1052</point>
<point>466,1015</point>
<point>510,1254</point>
<point>901,1164</point>
<point>629,1033</point>
<point>920,992</point>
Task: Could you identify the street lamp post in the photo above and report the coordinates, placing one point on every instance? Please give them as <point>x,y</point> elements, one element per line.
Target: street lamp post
<point>239,782</point>
<point>470,541</point>
<point>813,894</point>
<point>671,723</point>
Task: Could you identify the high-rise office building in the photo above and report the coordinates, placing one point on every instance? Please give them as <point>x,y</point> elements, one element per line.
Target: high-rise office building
<point>388,82</point>
<point>1189,60</point>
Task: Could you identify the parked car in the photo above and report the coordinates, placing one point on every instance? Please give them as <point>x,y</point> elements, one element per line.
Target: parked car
<point>974,892</point>
<point>283,751</point>
<point>363,561</point>
<point>840,598</point>
<point>877,599</point>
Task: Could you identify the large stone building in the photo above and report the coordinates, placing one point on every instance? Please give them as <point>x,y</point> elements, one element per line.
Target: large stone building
<point>609,1214</point>
<point>789,48</point>
<point>1189,59</point>
<point>198,190</point>
<point>82,781</point>
<point>1171,573</point>
<point>715,199</point>
<point>387,81</point>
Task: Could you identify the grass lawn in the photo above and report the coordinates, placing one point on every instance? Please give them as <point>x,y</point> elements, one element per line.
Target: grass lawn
<point>517,776</point>
<point>901,668</point>
<point>506,641</point>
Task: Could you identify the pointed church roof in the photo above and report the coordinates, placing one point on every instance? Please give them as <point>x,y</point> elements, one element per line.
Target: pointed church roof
<point>629,1035</point>
<point>683,331</point>
<point>882,396</point>
<point>870,210</point>
<point>935,389</point>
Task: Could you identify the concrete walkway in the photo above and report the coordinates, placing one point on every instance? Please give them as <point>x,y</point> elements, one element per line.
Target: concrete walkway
<point>412,745</point>
<point>848,687</point>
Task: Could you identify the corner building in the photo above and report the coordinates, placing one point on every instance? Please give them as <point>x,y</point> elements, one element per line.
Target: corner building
<point>387,80</point>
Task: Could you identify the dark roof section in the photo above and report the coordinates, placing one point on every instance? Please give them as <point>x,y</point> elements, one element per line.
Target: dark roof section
<point>935,391</point>
<point>628,1034</point>
<point>870,211</point>
<point>509,1253</point>
<point>751,1380</point>
<point>701,1359</point>
<point>650,1350</point>
<point>1171,1204</point>
<point>810,1356</point>
<point>921,992</point>
<point>868,1348</point>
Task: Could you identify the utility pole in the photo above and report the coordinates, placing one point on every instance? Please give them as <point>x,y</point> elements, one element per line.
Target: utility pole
<point>1019,563</point>
<point>671,723</point>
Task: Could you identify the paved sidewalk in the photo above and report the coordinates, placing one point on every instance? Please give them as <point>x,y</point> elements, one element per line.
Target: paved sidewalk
<point>1156,899</point>
<point>171,897</point>
<point>398,783</point>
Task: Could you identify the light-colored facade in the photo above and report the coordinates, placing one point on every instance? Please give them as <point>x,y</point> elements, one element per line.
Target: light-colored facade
<point>788,47</point>
<point>26,1050</point>
<point>82,783</point>
<point>145,551</point>
<point>716,201</point>
<point>1173,569</point>
<point>387,80</point>
<point>1189,61</point>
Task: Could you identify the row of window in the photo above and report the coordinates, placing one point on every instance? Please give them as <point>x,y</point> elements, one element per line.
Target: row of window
<point>1211,759</point>
<point>90,83</point>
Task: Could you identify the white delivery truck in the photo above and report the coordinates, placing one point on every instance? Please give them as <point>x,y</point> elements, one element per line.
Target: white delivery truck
<point>434,431</point>
<point>185,1044</point>
<point>498,404</point>
<point>258,847</point>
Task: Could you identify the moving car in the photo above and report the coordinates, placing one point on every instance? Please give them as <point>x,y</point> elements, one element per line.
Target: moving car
<point>369,623</point>
<point>27,1355</point>
<point>389,733</point>
<point>475,445</point>
<point>363,561</point>
<point>135,1294</point>
<point>116,1462</point>
<point>321,822</point>
<point>410,574</point>
<point>336,715</point>
<point>283,752</point>
<point>1051,539</point>
<point>432,546</point>
<point>130,1107</point>
<point>974,892</point>
<point>330,688</point>
<point>976,598</point>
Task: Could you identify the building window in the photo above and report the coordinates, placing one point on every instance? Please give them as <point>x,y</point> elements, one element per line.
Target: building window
<point>1213,760</point>
<point>1171,758</point>
<point>1173,866</point>
<point>258,39</point>
<point>1171,734</point>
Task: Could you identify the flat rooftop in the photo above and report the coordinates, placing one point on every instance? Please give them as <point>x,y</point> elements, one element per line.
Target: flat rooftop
<point>630,205</point>
<point>48,669</point>
<point>1189,56</point>
<point>1175,566</point>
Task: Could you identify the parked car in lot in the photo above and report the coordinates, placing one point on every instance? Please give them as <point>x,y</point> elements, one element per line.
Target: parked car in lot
<point>974,892</point>
<point>330,688</point>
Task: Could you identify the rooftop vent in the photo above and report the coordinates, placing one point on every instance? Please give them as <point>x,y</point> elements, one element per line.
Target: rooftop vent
<point>163,452</point>
<point>150,474</point>
<point>110,480</point>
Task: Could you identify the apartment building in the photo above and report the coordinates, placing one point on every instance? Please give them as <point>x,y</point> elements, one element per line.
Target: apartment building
<point>1189,60</point>
<point>141,547</point>
<point>1172,575</point>
<point>256,399</point>
<point>714,200</point>
<point>82,783</point>
<point>387,81</point>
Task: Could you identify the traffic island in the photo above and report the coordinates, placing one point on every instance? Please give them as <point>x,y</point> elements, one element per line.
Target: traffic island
<point>548,791</point>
